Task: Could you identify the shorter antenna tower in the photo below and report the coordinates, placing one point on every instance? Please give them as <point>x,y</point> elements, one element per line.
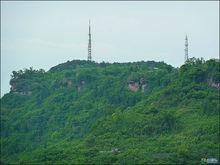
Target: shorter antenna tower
<point>89,45</point>
<point>186,49</point>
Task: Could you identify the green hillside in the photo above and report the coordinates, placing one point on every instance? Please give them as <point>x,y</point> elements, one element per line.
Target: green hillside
<point>82,112</point>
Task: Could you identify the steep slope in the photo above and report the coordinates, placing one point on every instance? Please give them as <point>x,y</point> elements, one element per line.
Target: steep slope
<point>86,112</point>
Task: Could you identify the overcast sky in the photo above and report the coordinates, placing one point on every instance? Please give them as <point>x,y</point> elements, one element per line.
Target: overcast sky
<point>44,34</point>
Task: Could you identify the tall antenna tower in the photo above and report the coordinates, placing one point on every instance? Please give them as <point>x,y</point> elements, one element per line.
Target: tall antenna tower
<point>186,49</point>
<point>89,45</point>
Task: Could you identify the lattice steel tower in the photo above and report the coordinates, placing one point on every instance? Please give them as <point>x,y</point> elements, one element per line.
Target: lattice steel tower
<point>186,49</point>
<point>89,45</point>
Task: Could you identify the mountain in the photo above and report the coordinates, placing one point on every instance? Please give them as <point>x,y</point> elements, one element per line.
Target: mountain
<point>83,112</point>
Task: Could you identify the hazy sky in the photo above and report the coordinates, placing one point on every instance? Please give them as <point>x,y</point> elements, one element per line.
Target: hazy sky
<point>44,34</point>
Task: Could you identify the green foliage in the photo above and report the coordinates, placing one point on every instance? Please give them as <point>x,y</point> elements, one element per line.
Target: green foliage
<point>82,112</point>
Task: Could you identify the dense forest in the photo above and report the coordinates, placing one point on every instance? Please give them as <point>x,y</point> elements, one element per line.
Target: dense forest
<point>83,112</point>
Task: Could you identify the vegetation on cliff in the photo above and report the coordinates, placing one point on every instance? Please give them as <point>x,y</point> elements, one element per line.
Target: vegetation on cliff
<point>82,112</point>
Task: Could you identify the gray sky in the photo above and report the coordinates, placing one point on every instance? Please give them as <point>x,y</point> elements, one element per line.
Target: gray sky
<point>44,34</point>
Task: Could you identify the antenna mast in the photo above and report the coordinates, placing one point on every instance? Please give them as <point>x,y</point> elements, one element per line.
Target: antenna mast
<point>186,49</point>
<point>89,45</point>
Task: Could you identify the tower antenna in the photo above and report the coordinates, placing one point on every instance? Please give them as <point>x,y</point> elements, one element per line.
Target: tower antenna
<point>89,45</point>
<point>186,49</point>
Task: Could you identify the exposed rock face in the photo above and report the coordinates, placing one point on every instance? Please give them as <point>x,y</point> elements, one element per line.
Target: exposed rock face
<point>133,86</point>
<point>20,88</point>
<point>13,88</point>
<point>13,85</point>
<point>214,85</point>
<point>136,85</point>
<point>67,83</point>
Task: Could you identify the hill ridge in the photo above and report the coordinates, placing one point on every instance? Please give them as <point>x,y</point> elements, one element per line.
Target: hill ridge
<point>83,112</point>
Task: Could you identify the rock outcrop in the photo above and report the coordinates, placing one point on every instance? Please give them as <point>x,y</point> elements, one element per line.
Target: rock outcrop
<point>20,87</point>
<point>214,84</point>
<point>137,85</point>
